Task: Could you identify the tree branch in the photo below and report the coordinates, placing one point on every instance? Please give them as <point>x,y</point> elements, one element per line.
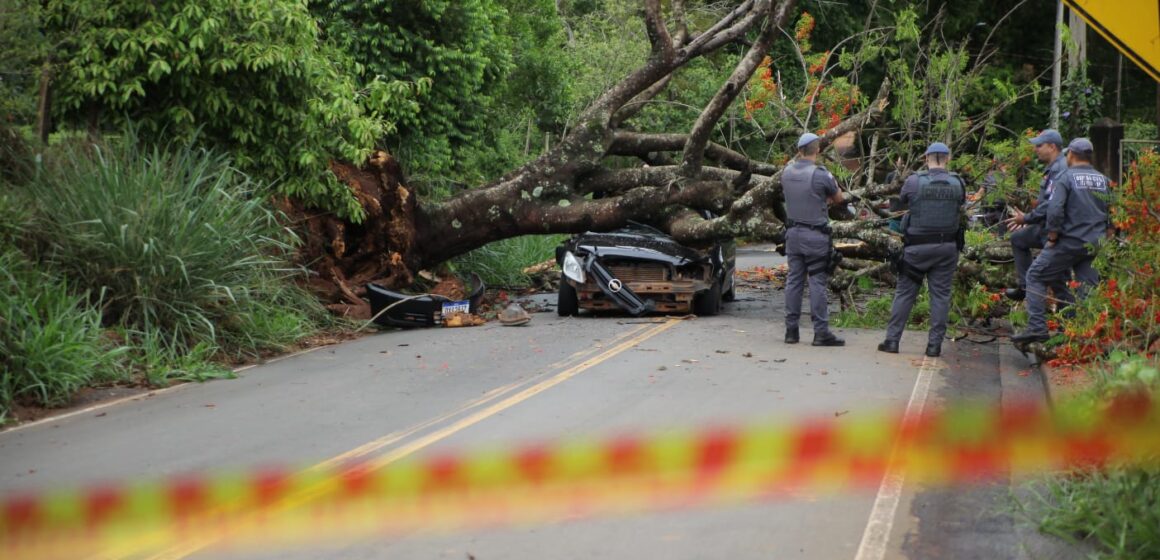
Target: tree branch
<point>639,144</point>
<point>694,152</point>
<point>658,33</point>
<point>726,30</point>
<point>633,107</point>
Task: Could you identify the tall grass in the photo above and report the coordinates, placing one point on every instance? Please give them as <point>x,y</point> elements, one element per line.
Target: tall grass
<point>50,343</point>
<point>182,245</point>
<point>501,263</point>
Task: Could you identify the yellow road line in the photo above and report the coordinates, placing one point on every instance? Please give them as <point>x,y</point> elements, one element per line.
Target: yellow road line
<point>635,337</point>
<point>520,397</point>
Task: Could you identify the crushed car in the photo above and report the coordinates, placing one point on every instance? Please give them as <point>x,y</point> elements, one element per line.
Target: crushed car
<point>396,309</point>
<point>640,270</point>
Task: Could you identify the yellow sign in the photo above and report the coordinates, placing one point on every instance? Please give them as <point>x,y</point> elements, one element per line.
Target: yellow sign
<point>1132,26</point>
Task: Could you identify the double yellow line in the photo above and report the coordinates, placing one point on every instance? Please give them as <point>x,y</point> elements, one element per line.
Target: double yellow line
<point>471,413</point>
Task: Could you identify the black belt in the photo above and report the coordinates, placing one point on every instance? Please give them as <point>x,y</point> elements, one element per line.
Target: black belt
<point>825,228</point>
<point>930,238</point>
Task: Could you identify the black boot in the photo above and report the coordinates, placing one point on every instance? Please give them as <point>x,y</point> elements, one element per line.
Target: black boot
<point>1030,337</point>
<point>933,349</point>
<point>890,346</point>
<point>828,339</point>
<point>791,336</point>
<point>1016,294</point>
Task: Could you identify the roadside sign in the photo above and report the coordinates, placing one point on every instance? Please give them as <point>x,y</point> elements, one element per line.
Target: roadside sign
<point>1132,26</point>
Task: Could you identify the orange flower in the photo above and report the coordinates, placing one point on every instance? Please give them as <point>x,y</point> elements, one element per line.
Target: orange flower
<point>1073,284</point>
<point>995,297</point>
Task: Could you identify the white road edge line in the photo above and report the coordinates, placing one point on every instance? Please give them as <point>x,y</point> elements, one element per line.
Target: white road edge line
<point>146,394</point>
<point>878,527</point>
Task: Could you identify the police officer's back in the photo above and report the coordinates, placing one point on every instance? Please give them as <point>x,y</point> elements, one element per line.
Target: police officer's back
<point>808,188</point>
<point>932,234</point>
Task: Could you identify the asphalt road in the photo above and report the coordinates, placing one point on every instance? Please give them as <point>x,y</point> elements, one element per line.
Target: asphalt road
<point>403,393</point>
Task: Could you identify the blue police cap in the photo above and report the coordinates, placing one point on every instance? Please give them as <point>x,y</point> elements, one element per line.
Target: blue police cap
<point>806,139</point>
<point>1082,145</point>
<point>1048,136</point>
<point>937,148</point>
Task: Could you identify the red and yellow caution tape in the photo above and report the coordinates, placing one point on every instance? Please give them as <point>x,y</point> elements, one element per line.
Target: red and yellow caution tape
<point>551,482</point>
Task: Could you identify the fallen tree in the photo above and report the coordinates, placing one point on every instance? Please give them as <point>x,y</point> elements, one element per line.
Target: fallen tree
<point>574,187</point>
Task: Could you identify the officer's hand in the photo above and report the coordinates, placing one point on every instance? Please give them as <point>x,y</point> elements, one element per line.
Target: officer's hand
<point>1015,222</point>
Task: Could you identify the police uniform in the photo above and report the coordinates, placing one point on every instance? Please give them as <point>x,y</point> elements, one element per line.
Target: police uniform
<point>935,199</point>
<point>1077,213</point>
<point>1033,235</point>
<point>806,187</point>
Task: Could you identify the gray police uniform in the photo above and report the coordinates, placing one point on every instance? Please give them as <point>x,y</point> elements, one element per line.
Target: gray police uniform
<point>1078,211</point>
<point>935,200</point>
<point>1033,236</point>
<point>807,241</point>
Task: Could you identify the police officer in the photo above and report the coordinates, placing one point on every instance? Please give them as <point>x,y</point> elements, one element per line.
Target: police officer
<point>1077,215</point>
<point>807,188</point>
<point>931,248</point>
<point>1027,229</point>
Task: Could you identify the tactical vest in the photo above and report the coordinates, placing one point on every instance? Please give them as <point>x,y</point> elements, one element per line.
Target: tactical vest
<point>937,206</point>
<point>802,204</point>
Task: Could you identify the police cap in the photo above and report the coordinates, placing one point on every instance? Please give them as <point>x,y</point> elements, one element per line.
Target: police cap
<point>805,139</point>
<point>1048,136</point>
<point>1081,145</point>
<point>937,148</point>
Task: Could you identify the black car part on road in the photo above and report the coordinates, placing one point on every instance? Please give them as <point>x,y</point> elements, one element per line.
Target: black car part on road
<point>423,310</point>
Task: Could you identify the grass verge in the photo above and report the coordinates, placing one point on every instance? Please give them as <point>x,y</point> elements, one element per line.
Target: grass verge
<point>151,265</point>
<point>180,244</point>
<point>50,339</point>
<point>1117,509</point>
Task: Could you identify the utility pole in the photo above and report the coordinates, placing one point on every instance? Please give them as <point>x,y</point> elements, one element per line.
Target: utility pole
<point>1119,84</point>
<point>1056,64</point>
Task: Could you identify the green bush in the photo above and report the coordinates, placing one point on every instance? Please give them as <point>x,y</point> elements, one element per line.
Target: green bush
<point>50,340</point>
<point>179,243</point>
<point>502,263</point>
<point>876,313</point>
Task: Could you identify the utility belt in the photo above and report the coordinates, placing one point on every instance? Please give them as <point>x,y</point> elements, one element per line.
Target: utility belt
<point>826,229</point>
<point>930,238</point>
<point>819,264</point>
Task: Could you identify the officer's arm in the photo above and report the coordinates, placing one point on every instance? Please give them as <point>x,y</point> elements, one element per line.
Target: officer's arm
<point>909,189</point>
<point>1038,214</point>
<point>829,186</point>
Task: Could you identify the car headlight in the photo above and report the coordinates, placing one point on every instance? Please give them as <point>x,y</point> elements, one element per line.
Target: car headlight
<point>572,267</point>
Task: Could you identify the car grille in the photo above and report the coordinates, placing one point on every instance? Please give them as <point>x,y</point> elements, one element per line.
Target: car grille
<point>632,272</point>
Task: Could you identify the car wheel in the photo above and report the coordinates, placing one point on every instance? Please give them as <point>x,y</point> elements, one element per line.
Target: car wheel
<point>567,303</point>
<point>730,294</point>
<point>708,303</point>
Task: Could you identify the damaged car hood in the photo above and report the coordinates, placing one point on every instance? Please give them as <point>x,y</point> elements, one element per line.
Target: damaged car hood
<point>634,243</point>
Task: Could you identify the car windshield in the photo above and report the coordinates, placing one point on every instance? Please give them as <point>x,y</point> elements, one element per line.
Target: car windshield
<point>638,225</point>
